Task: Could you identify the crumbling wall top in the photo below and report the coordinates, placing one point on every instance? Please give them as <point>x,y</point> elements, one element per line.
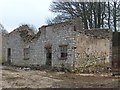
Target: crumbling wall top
<point>25,32</point>
<point>98,33</point>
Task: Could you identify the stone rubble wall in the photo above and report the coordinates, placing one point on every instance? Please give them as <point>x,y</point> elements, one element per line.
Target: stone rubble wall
<point>116,50</point>
<point>1,47</point>
<point>92,52</point>
<point>17,43</point>
<point>98,33</point>
<point>85,48</point>
<point>53,36</point>
<point>3,44</point>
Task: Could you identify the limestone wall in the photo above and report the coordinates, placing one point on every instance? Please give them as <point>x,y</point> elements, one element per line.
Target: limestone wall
<point>16,45</point>
<point>54,36</point>
<point>0,47</point>
<point>93,52</point>
<point>17,42</point>
<point>85,48</point>
<point>116,50</point>
<point>3,43</point>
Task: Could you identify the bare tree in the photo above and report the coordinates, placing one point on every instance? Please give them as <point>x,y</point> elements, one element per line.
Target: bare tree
<point>93,14</point>
<point>2,29</point>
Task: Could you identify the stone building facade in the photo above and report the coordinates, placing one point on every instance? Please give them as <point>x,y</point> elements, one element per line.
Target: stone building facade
<point>64,44</point>
<point>3,43</point>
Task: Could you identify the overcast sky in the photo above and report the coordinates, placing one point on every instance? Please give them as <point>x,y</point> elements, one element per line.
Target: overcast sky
<point>16,12</point>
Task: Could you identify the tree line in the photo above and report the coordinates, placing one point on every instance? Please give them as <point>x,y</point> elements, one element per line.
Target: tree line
<point>93,14</point>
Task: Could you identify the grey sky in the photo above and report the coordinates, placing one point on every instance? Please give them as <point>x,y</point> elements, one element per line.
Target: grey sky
<point>16,12</point>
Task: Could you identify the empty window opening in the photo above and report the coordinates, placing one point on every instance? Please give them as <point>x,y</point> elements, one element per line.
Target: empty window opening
<point>26,53</point>
<point>74,28</point>
<point>63,52</point>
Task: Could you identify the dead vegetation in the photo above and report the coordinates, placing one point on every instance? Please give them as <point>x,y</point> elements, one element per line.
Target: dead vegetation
<point>13,77</point>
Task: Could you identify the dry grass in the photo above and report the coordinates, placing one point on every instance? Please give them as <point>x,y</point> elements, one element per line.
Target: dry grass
<point>14,77</point>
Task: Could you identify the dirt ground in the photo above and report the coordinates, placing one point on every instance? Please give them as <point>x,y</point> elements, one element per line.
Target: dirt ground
<point>13,77</point>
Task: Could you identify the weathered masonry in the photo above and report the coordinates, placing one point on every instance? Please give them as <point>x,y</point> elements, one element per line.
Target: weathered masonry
<point>57,45</point>
<point>116,51</point>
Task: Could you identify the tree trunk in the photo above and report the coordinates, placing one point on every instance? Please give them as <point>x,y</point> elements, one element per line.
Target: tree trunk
<point>85,19</point>
<point>114,16</point>
<point>95,17</point>
<point>103,13</point>
<point>99,15</point>
<point>109,15</point>
<point>91,15</point>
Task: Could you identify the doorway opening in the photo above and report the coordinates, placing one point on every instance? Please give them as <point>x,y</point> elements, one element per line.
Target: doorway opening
<point>9,55</point>
<point>48,56</point>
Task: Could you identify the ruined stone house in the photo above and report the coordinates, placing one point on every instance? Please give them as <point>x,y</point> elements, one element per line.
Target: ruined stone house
<point>64,44</point>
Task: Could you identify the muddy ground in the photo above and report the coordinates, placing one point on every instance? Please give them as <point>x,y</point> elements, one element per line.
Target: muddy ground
<point>13,77</point>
